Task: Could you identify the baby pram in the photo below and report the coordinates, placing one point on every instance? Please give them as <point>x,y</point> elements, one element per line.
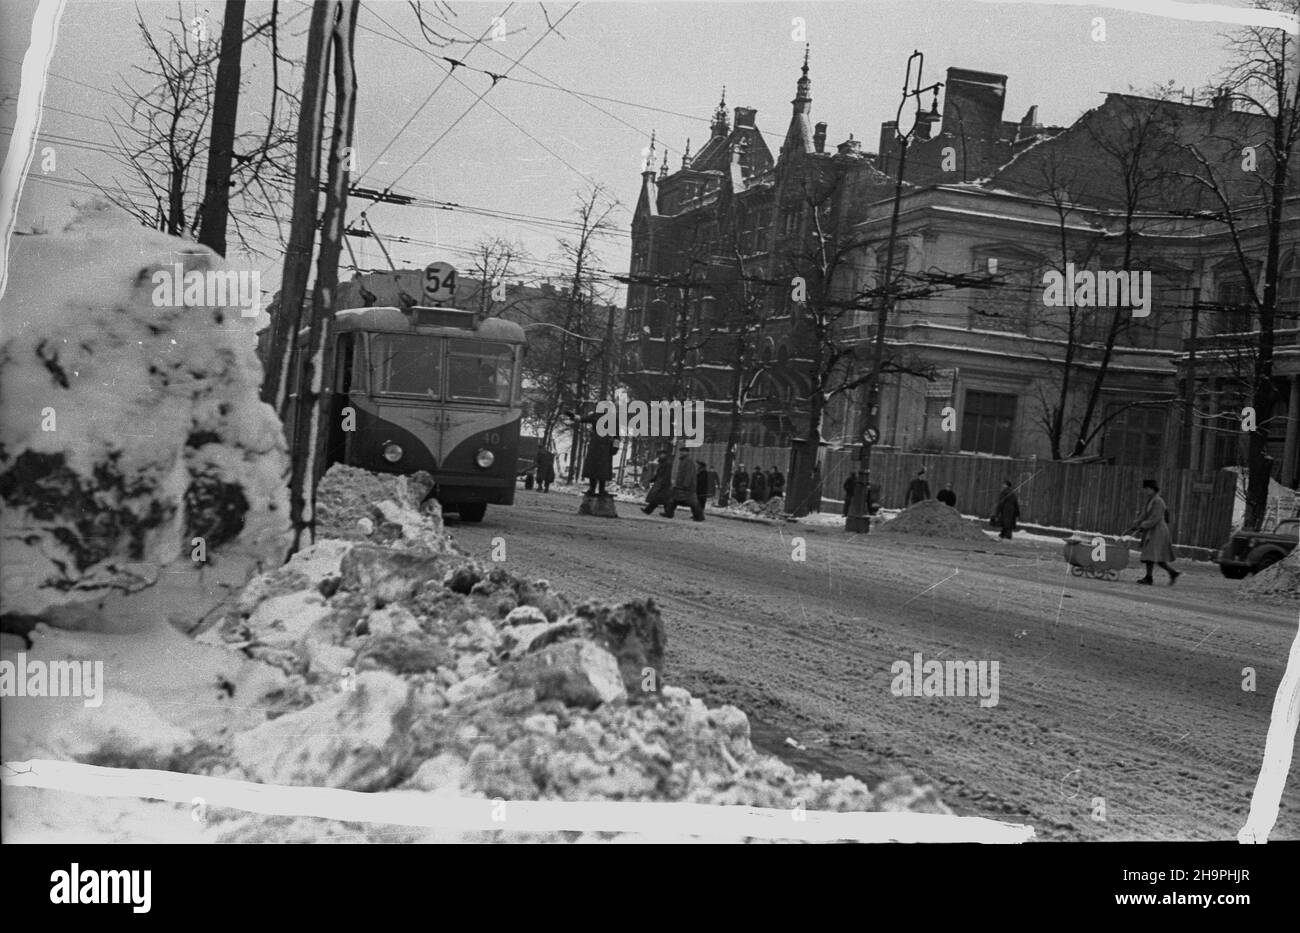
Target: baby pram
<point>1096,556</point>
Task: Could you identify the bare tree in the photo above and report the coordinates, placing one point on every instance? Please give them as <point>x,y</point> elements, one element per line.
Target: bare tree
<point>494,259</point>
<point>1243,167</point>
<point>165,128</point>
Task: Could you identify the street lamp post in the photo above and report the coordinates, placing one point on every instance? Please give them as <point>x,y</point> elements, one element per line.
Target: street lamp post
<point>859,520</point>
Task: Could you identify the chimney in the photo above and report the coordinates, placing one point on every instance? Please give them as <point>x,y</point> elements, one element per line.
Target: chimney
<point>819,137</point>
<point>850,147</point>
<point>972,104</point>
<point>1222,101</point>
<point>888,145</point>
<point>745,117</point>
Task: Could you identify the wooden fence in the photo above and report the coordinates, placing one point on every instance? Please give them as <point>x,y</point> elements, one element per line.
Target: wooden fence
<point>1093,498</point>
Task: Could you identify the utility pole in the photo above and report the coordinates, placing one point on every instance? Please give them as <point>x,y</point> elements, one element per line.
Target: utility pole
<point>858,519</point>
<point>221,149</point>
<point>316,411</point>
<point>1189,385</point>
<point>282,355</point>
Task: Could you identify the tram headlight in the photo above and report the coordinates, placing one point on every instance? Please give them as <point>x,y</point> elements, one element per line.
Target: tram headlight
<point>392,453</point>
<point>485,458</point>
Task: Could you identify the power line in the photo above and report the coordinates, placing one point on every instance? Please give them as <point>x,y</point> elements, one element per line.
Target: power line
<point>437,88</point>
<point>475,102</point>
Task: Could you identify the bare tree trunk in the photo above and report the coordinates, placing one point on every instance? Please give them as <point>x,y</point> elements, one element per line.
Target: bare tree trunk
<point>315,409</point>
<point>282,354</point>
<point>215,209</point>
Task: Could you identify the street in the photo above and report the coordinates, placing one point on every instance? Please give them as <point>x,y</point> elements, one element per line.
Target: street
<point>1120,715</point>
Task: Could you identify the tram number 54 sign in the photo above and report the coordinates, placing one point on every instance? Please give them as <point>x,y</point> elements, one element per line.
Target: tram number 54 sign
<point>439,282</point>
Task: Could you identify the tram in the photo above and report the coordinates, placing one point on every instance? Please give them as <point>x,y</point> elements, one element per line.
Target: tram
<point>429,388</point>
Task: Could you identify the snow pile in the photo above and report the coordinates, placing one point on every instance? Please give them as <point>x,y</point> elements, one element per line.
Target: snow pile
<point>1281,582</point>
<point>408,666</point>
<point>932,518</point>
<point>128,431</point>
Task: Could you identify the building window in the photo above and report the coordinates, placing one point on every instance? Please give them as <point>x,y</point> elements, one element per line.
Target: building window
<point>1008,305</point>
<point>1135,437</point>
<point>1289,286</point>
<point>987,423</point>
<point>1235,304</point>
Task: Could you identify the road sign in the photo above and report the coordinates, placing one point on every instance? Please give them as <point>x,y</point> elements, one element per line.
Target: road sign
<point>439,282</point>
<point>870,435</point>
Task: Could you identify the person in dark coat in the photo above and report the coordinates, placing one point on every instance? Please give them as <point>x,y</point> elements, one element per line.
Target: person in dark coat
<point>598,465</point>
<point>850,484</point>
<point>661,483</point>
<point>1007,510</point>
<point>775,483</point>
<point>740,484</point>
<point>947,496</point>
<point>545,469</point>
<point>684,479</point>
<point>1153,530</point>
<point>702,481</point>
<point>758,485</point>
<point>918,490</point>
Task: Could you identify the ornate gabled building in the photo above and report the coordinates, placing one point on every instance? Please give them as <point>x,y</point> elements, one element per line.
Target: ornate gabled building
<point>980,196</point>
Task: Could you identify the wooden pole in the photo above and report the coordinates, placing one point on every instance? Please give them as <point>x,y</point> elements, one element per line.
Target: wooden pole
<point>282,354</point>
<point>315,394</point>
<point>215,210</point>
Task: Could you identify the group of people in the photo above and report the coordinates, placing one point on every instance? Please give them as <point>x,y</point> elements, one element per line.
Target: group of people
<point>758,486</point>
<point>679,480</point>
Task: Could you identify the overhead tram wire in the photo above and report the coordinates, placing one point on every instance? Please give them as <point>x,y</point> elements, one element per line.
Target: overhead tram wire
<point>443,135</point>
<point>438,87</point>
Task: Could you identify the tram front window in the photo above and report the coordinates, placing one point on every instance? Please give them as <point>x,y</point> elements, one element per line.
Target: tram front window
<point>480,371</point>
<point>407,365</point>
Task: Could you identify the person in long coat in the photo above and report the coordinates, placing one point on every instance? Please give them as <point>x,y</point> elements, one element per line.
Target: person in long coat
<point>545,469</point>
<point>918,490</point>
<point>850,484</point>
<point>1153,530</point>
<point>702,481</point>
<point>758,485</point>
<point>661,483</point>
<point>598,465</point>
<point>685,477</point>
<point>775,483</point>
<point>740,484</point>
<point>1007,510</point>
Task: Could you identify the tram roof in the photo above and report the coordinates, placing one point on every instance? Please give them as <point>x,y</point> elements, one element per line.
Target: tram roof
<point>434,322</point>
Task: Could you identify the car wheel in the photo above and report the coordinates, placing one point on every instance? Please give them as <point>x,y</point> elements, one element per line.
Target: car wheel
<point>1234,573</point>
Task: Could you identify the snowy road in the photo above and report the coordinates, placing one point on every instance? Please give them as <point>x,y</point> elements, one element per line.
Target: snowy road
<point>1113,701</point>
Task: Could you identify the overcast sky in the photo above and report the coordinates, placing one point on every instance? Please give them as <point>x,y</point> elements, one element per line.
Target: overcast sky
<point>662,66</point>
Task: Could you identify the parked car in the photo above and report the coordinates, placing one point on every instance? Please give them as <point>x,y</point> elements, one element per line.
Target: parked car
<point>1250,552</point>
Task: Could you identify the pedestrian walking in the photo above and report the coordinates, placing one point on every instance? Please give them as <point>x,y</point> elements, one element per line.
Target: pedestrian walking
<point>1152,527</point>
<point>1007,510</point>
<point>775,483</point>
<point>947,496</point>
<point>545,469</point>
<point>850,485</point>
<point>661,483</point>
<point>683,490</point>
<point>918,490</point>
<point>740,484</point>
<point>702,482</point>
<point>758,485</point>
